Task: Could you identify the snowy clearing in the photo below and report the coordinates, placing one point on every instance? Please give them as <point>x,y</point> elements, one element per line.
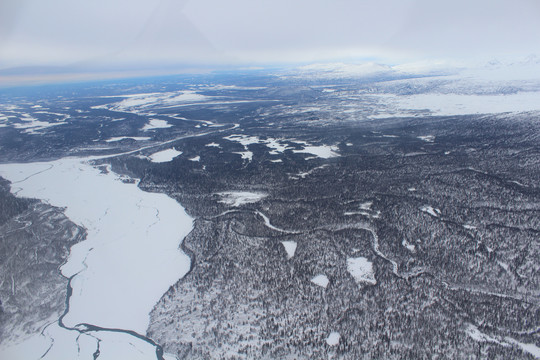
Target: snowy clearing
<point>321,280</point>
<point>361,270</point>
<point>427,138</point>
<point>120,138</point>
<point>333,339</point>
<point>237,198</point>
<point>479,336</point>
<point>164,156</point>
<point>156,124</point>
<point>431,210</point>
<point>322,151</point>
<point>129,259</point>
<point>290,248</point>
<point>246,155</point>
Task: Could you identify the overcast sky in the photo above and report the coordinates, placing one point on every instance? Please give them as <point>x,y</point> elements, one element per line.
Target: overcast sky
<point>134,33</point>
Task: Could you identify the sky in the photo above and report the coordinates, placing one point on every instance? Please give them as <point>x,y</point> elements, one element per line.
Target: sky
<point>137,34</point>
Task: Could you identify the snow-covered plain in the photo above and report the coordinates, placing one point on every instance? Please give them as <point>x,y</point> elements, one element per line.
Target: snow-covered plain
<point>129,259</point>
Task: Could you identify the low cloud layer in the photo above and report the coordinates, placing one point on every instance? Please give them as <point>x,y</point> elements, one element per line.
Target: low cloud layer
<point>135,33</point>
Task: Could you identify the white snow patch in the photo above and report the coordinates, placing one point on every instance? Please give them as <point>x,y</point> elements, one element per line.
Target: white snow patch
<point>431,210</point>
<point>164,156</point>
<point>213,145</point>
<point>243,139</point>
<point>237,198</point>
<point>479,336</point>
<point>120,138</point>
<point>408,246</point>
<point>411,189</point>
<point>459,104</point>
<point>156,124</point>
<point>469,227</point>
<point>32,125</point>
<point>246,155</point>
<point>322,151</point>
<point>530,348</point>
<point>361,270</point>
<point>195,158</point>
<point>290,248</point>
<point>139,102</point>
<point>321,280</point>
<point>427,138</point>
<point>366,206</point>
<point>333,339</point>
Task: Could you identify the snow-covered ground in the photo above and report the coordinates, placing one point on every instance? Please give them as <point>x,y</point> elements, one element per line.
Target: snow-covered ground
<point>31,125</point>
<point>129,259</point>
<point>457,104</point>
<point>120,138</point>
<point>479,336</point>
<point>361,270</point>
<point>140,102</point>
<point>431,210</point>
<point>321,280</point>
<point>333,339</point>
<point>322,151</point>
<point>156,124</point>
<point>290,248</point>
<point>164,155</point>
<point>237,198</point>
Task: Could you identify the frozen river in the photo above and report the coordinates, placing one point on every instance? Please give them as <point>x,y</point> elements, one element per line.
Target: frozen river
<point>131,256</point>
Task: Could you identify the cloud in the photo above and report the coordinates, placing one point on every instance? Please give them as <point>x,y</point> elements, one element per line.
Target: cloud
<point>209,32</point>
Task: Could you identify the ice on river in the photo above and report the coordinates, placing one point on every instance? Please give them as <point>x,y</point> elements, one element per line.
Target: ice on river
<point>131,255</point>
